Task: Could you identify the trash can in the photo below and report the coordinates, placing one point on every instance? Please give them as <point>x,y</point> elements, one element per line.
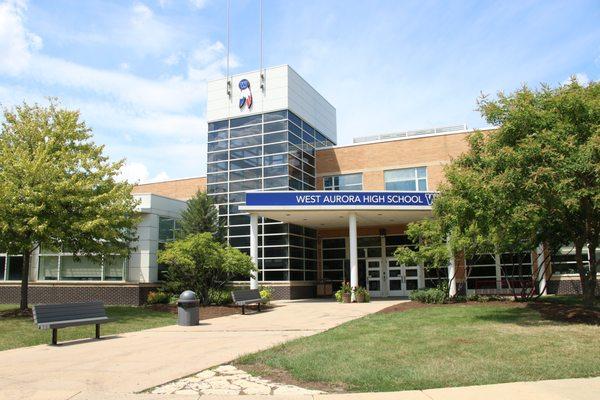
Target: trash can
<point>188,309</point>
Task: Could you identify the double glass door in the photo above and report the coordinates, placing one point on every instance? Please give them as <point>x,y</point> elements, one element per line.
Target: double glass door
<point>402,278</point>
<point>391,279</point>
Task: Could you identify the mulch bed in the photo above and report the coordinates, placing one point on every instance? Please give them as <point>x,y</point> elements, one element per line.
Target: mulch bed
<point>574,314</point>
<point>206,312</point>
<point>567,313</point>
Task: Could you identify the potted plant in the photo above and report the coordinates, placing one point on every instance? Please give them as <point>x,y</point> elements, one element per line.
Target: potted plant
<point>344,295</point>
<point>361,295</point>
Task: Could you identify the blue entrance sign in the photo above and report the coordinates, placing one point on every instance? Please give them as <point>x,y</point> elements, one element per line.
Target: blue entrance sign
<point>333,198</point>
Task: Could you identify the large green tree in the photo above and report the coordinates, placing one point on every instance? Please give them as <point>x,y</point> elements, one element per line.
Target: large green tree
<point>536,179</point>
<point>200,216</point>
<point>200,263</point>
<point>59,189</point>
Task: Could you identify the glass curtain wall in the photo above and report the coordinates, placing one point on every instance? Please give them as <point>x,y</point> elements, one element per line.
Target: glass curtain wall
<point>272,151</point>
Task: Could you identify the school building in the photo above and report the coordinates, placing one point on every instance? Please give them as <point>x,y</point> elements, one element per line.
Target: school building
<point>311,214</point>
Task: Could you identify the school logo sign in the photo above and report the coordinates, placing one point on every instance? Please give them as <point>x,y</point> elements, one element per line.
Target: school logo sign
<point>245,94</point>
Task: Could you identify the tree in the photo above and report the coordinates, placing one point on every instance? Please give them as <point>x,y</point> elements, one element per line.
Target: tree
<point>536,179</point>
<point>57,188</point>
<point>200,263</point>
<point>549,141</point>
<point>201,216</point>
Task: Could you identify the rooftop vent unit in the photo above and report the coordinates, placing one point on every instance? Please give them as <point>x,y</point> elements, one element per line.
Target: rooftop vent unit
<point>405,134</point>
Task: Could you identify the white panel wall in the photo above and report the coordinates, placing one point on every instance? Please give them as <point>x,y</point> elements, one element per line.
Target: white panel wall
<point>143,264</point>
<point>284,89</point>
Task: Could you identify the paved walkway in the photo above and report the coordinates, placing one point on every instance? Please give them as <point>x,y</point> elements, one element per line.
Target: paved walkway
<point>562,389</point>
<point>131,362</point>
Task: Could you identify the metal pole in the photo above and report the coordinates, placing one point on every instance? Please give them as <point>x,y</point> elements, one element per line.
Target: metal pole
<point>262,76</point>
<point>228,45</point>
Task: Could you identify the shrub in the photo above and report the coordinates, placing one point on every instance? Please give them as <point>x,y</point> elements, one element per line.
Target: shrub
<point>200,263</point>
<point>266,293</point>
<point>219,297</point>
<point>158,298</point>
<point>473,297</point>
<point>434,296</point>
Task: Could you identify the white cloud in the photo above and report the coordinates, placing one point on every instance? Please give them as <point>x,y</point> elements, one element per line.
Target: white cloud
<point>16,43</point>
<point>581,78</point>
<point>198,4</point>
<point>156,122</point>
<point>146,34</point>
<point>137,172</point>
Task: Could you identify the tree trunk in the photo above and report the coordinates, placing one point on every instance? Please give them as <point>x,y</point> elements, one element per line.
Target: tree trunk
<point>589,293</point>
<point>25,281</point>
<point>587,279</point>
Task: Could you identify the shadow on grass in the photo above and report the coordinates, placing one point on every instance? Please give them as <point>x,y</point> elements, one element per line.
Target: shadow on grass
<point>550,313</point>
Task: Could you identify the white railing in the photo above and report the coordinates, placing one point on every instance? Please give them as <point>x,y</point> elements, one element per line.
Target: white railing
<point>419,132</point>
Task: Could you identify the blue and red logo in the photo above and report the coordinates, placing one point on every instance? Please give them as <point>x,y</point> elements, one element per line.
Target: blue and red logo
<point>246,94</point>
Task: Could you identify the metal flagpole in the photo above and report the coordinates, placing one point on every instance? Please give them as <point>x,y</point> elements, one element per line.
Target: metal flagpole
<point>228,44</point>
<point>262,76</point>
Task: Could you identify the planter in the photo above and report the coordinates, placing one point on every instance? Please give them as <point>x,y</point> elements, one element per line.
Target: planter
<point>360,297</point>
<point>346,297</point>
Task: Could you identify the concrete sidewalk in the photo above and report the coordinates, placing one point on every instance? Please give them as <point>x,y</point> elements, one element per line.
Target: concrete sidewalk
<point>131,362</point>
<point>563,389</point>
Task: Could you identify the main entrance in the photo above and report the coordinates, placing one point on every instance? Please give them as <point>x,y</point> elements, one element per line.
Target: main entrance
<point>390,279</point>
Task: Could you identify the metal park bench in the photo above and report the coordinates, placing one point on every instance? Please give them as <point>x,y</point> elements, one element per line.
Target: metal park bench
<point>245,297</point>
<point>55,316</point>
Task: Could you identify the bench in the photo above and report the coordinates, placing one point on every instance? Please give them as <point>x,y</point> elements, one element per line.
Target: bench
<point>245,297</point>
<point>55,316</point>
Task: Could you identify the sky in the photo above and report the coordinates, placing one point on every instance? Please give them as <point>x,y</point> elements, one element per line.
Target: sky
<point>137,70</point>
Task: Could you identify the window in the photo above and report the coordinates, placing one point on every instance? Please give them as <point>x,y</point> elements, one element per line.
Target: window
<point>406,179</point>
<point>343,182</point>
<point>168,231</point>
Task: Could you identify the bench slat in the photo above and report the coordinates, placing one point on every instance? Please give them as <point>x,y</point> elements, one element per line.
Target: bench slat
<point>62,312</point>
<point>243,295</point>
<point>76,322</point>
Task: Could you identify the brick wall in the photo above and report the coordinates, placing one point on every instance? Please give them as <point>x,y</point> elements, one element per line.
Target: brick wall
<point>180,189</point>
<point>566,285</point>
<point>129,294</point>
<point>372,159</point>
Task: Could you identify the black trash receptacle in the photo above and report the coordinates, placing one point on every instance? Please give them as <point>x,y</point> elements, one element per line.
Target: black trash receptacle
<point>188,309</point>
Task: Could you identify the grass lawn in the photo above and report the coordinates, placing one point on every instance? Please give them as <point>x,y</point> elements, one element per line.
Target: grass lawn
<point>449,345</point>
<point>20,331</point>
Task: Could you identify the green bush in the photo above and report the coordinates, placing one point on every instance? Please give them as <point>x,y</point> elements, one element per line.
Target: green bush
<point>158,298</point>
<point>433,296</point>
<point>219,297</point>
<point>201,263</point>
<point>473,297</point>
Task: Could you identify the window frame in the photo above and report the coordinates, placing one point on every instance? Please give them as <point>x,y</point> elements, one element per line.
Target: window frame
<point>336,187</point>
<point>415,179</point>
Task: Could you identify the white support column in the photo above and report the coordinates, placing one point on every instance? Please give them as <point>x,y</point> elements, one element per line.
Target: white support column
<point>452,277</point>
<point>254,249</point>
<point>541,270</point>
<point>353,251</point>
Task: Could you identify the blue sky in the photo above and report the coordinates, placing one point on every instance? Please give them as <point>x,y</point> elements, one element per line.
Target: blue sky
<point>137,70</point>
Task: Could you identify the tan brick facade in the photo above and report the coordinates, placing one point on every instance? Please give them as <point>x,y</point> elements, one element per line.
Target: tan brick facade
<point>180,189</point>
<point>372,159</point>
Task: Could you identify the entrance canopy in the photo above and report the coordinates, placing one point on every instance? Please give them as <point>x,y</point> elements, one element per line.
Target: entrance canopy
<point>332,209</point>
<point>335,209</point>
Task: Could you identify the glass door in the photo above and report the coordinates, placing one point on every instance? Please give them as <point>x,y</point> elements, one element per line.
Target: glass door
<point>395,279</point>
<point>411,278</point>
<point>375,277</point>
<point>402,278</point>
